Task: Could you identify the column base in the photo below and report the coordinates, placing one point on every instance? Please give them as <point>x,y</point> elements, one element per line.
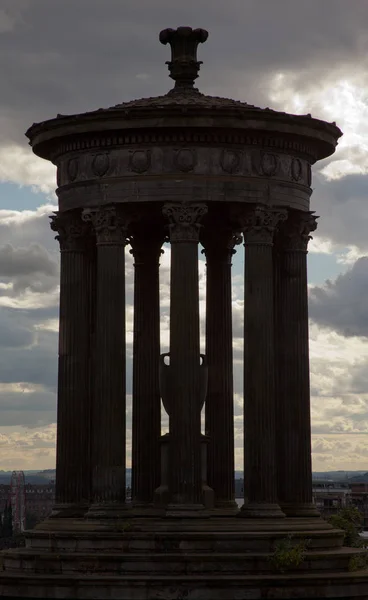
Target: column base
<point>186,511</point>
<point>254,510</point>
<point>109,511</point>
<point>300,509</point>
<point>69,511</point>
<point>225,508</point>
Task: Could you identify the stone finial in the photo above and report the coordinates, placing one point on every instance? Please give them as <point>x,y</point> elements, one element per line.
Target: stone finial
<point>184,65</point>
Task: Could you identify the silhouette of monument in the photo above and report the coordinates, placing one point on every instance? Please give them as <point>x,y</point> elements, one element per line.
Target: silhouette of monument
<point>185,168</point>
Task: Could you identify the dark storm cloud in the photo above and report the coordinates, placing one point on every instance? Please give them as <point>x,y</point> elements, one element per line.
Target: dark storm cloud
<point>342,305</point>
<point>73,56</point>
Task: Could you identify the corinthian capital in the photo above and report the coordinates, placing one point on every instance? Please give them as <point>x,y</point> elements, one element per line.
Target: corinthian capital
<point>184,220</point>
<point>109,223</point>
<point>259,224</point>
<point>295,233</point>
<point>72,232</point>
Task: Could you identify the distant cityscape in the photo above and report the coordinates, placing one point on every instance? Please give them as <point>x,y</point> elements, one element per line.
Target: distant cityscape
<point>29,496</point>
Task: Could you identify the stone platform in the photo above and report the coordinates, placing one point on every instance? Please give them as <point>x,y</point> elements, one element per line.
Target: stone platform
<point>172,559</point>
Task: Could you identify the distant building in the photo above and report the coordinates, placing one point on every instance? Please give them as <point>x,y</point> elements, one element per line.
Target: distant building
<point>331,496</point>
<point>18,501</point>
<point>359,497</point>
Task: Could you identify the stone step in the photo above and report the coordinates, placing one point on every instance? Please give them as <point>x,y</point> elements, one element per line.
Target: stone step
<point>185,541</point>
<point>31,561</point>
<point>304,586</point>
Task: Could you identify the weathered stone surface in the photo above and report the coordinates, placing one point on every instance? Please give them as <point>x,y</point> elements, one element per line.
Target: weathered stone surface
<point>219,242</point>
<point>75,381</point>
<point>108,413</point>
<point>146,242</point>
<point>186,377</point>
<point>260,490</point>
<point>293,422</point>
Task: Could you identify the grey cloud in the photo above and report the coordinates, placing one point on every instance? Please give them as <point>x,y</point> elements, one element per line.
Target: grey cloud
<point>28,409</point>
<point>14,332</point>
<point>23,261</point>
<point>342,305</point>
<point>35,364</point>
<point>28,269</point>
<point>343,209</point>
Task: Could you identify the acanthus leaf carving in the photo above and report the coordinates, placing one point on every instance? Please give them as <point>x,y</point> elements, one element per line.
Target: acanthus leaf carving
<point>259,224</point>
<point>184,220</point>
<point>72,232</point>
<point>295,233</point>
<point>109,223</point>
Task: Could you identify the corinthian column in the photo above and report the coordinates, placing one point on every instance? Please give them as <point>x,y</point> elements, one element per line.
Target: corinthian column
<point>293,394</point>
<point>218,245</point>
<point>260,485</point>
<point>146,243</point>
<point>185,385</point>
<point>108,416</point>
<point>74,402</point>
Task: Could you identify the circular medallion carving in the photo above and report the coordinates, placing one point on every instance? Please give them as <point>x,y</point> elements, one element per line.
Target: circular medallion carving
<point>230,161</point>
<point>269,164</point>
<point>185,159</point>
<point>296,169</point>
<point>72,168</point>
<point>309,175</point>
<point>100,164</point>
<point>140,161</point>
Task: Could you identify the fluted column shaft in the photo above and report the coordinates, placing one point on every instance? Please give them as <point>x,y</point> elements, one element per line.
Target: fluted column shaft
<point>146,248</point>
<point>294,464</point>
<point>108,418</point>
<point>74,402</point>
<point>186,401</point>
<point>260,485</point>
<point>219,408</point>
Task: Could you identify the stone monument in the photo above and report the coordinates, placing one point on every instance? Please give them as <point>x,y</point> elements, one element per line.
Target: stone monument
<point>189,169</point>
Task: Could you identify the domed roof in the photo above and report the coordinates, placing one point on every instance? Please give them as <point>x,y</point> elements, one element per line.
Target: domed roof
<point>184,68</point>
<point>182,101</point>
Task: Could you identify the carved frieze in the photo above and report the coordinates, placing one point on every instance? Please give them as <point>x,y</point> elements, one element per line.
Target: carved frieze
<point>269,164</point>
<point>185,159</point>
<point>100,164</point>
<point>164,160</point>
<point>296,169</point>
<point>73,166</point>
<point>140,160</point>
<point>230,161</point>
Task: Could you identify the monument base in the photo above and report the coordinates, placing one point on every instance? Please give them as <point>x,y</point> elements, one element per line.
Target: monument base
<point>200,559</point>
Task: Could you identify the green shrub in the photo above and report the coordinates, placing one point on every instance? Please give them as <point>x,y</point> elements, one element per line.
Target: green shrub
<point>350,520</point>
<point>289,554</point>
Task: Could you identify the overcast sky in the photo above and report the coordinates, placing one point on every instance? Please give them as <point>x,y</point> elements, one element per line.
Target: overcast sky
<point>66,56</point>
